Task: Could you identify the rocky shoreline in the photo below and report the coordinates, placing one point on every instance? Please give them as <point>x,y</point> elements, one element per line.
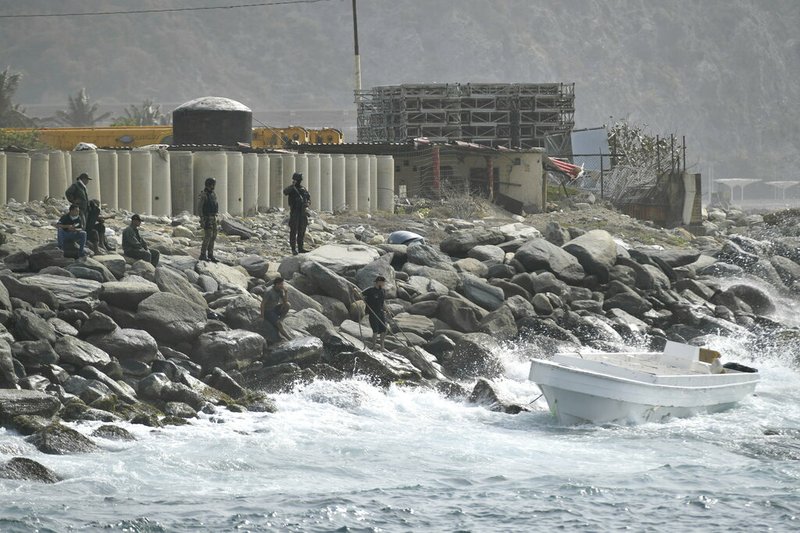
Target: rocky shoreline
<point>106,339</point>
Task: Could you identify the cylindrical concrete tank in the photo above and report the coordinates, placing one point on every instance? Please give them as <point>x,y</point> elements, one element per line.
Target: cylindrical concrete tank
<point>3,179</point>
<point>351,183</point>
<point>385,181</point>
<point>275,181</point>
<point>18,176</point>
<point>263,182</point>
<point>162,187</point>
<point>301,166</point>
<point>235,183</point>
<point>373,183</point>
<point>40,176</point>
<point>363,183</point>
<point>338,194</point>
<point>109,177</point>
<point>181,177</point>
<point>325,183</point>
<point>288,170</point>
<point>212,120</point>
<point>211,165</point>
<point>314,181</point>
<point>86,161</point>
<point>250,189</point>
<point>57,175</point>
<point>141,182</point>
<point>124,179</point>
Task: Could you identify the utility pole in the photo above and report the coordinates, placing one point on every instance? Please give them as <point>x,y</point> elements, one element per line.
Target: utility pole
<point>355,45</point>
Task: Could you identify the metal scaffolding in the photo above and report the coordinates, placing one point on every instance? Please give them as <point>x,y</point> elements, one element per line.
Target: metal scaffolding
<point>517,115</point>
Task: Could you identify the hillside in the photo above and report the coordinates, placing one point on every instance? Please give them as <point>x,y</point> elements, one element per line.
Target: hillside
<point>726,73</point>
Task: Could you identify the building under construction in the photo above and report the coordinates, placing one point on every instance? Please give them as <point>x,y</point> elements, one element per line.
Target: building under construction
<point>508,115</point>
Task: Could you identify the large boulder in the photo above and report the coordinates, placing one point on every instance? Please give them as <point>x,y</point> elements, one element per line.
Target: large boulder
<point>255,265</point>
<point>97,323</point>
<point>127,344</point>
<point>169,280</point>
<point>332,309</point>
<point>96,267</point>
<point>519,231</point>
<point>226,276</point>
<point>344,259</point>
<point>788,270</point>
<point>5,299</point>
<point>26,402</point>
<point>32,354</point>
<point>419,325</point>
<point>757,299</point>
<point>171,319</point>
<point>80,353</point>
<point>67,290</point>
<point>303,351</point>
<point>484,393</point>
<point>487,252</point>
<point>243,312</point>
<point>127,294</point>
<point>481,293</point>
<point>47,255</point>
<point>460,314</point>
<point>382,266</point>
<point>8,377</point>
<point>309,322</point>
<point>475,355</point>
<point>628,301</point>
<point>426,255</point>
<point>330,283</point>
<point>228,350</point>
<point>447,277</point>
<point>28,326</point>
<point>458,244</point>
<point>595,250</point>
<point>58,439</point>
<point>32,294</point>
<point>22,468</point>
<point>676,257</point>
<point>539,254</point>
<point>500,323</point>
<point>115,264</point>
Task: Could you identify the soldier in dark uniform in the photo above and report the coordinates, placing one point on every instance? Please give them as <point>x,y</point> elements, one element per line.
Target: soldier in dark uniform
<point>78,194</point>
<point>209,208</point>
<point>299,200</point>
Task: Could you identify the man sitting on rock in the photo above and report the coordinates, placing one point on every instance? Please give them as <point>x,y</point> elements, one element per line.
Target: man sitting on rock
<point>69,230</point>
<point>133,245</point>
<point>374,298</point>
<point>275,306</point>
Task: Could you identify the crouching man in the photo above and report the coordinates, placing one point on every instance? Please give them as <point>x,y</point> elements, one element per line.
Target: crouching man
<point>70,229</point>
<point>275,306</point>
<point>134,245</point>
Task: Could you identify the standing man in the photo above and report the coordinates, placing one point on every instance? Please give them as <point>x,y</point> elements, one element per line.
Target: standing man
<point>77,193</point>
<point>375,298</point>
<point>299,200</point>
<point>209,208</point>
<point>133,245</point>
<point>69,229</point>
<point>275,306</point>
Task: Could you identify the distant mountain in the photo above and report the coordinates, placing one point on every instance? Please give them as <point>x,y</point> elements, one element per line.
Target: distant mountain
<point>726,73</point>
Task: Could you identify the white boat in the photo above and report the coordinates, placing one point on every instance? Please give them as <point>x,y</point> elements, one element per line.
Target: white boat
<point>632,388</point>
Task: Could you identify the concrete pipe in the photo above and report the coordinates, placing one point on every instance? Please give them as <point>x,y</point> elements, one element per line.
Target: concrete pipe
<point>235,183</point>
<point>301,166</point>
<point>86,161</point>
<point>250,189</point>
<point>109,177</point>
<point>275,181</point>
<point>18,176</point>
<point>338,189</point>
<point>141,182</point>
<point>364,204</point>
<point>373,183</point>
<point>3,179</point>
<point>40,176</point>
<point>385,183</point>
<point>211,165</point>
<point>162,186</point>
<point>288,170</point>
<point>314,181</point>
<point>182,181</point>
<point>57,175</point>
<point>325,183</point>
<point>262,204</point>
<point>351,183</point>
<point>124,179</point>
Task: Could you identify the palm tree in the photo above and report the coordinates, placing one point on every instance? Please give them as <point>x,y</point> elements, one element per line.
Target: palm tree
<point>11,115</point>
<point>80,112</point>
<point>146,114</point>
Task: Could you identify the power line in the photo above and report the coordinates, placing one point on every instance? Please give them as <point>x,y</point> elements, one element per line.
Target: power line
<point>163,10</point>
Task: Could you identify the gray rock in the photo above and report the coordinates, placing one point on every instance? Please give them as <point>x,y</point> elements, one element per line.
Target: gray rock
<point>98,267</point>
<point>302,351</point>
<point>123,391</point>
<point>757,299</point>
<point>676,257</point>
<point>332,309</point>
<point>243,312</point>
<point>114,263</point>
<point>32,294</point>
<point>66,289</point>
<point>127,295</point>
<point>169,280</point>
<point>383,368</point>
<point>222,381</point>
<point>449,278</point>
<point>5,299</point>
<point>32,354</point>
<point>520,307</point>
<point>722,270</point>
<point>595,250</point>
<point>58,439</point>
<point>459,243</point>
<point>150,387</point>
<point>8,377</point>
<point>485,394</point>
<point>487,252</point>
<point>17,261</point>
<point>97,323</point>
<point>127,344</point>
<point>330,283</point>
<point>76,352</point>
<point>298,300</point>
<point>29,326</point>
<point>461,314</point>
<point>62,327</point>
<point>180,410</point>
<point>547,282</point>
<point>255,265</point>
<point>207,283</point>
<point>22,468</point>
<point>539,254</point>
<point>111,432</point>
<point>382,266</point>
<point>344,259</point>
<point>788,270</point>
<point>34,382</point>
<point>555,234</point>
<point>474,355</point>
<point>500,324</point>
<point>419,325</point>
<point>472,266</point>
<point>26,402</point>
<point>47,255</point>
<point>532,327</point>
<point>426,255</point>
<point>629,302</point>
<point>171,319</point>
<point>226,276</point>
<point>427,308</point>
<point>228,350</point>
<point>541,304</point>
<point>426,362</point>
<point>309,322</point>
<point>501,271</point>
<point>481,293</point>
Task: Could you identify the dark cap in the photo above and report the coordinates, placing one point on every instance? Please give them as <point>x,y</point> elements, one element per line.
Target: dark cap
<point>136,217</point>
<point>74,206</point>
<point>297,176</point>
<point>379,278</point>
<point>84,176</point>
<point>277,281</point>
